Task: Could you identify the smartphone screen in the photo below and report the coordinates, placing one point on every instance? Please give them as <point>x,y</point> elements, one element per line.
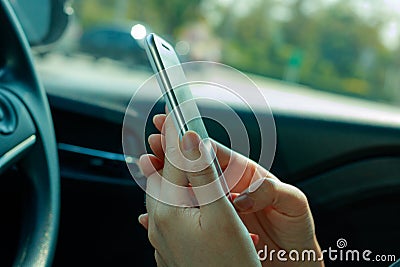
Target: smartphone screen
<point>177,93</point>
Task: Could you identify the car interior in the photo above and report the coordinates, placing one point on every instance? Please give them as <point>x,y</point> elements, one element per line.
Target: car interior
<point>68,198</point>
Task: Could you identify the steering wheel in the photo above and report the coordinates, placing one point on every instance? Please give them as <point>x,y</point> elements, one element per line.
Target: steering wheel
<point>27,147</point>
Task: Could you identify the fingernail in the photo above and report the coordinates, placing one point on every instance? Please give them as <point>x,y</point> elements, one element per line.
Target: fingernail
<point>141,218</point>
<point>141,162</point>
<point>244,202</point>
<point>191,141</point>
<point>255,238</point>
<point>157,117</point>
<point>150,137</point>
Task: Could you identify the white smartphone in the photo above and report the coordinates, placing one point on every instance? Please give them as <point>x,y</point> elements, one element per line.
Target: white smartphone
<point>177,93</point>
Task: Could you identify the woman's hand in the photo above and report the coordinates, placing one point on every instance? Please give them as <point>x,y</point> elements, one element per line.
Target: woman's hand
<point>275,213</point>
<point>186,235</point>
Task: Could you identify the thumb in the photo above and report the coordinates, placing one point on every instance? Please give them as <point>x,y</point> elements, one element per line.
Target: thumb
<point>270,192</point>
<point>201,169</point>
<point>199,164</point>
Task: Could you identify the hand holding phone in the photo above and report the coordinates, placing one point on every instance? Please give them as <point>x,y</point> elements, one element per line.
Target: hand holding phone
<point>178,96</point>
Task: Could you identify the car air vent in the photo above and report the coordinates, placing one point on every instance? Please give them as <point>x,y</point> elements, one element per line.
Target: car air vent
<point>95,165</point>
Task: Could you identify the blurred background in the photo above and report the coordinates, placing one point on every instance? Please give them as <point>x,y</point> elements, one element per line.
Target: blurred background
<point>339,46</point>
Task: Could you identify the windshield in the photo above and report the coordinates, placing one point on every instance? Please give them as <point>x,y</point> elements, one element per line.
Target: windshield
<point>339,46</point>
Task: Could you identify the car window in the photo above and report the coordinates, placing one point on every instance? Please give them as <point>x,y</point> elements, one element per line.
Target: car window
<point>338,46</point>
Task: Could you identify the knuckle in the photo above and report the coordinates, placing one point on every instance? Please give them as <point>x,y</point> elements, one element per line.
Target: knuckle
<point>160,224</point>
<point>194,163</point>
<point>202,170</point>
<point>171,150</point>
<point>162,219</point>
<point>302,197</point>
<point>269,185</point>
<point>262,186</point>
<point>198,180</point>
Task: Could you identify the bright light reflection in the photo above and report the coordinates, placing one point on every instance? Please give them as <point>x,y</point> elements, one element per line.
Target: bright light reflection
<point>138,31</point>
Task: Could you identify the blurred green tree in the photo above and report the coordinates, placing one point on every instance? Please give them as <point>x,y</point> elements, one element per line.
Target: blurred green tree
<point>331,47</point>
